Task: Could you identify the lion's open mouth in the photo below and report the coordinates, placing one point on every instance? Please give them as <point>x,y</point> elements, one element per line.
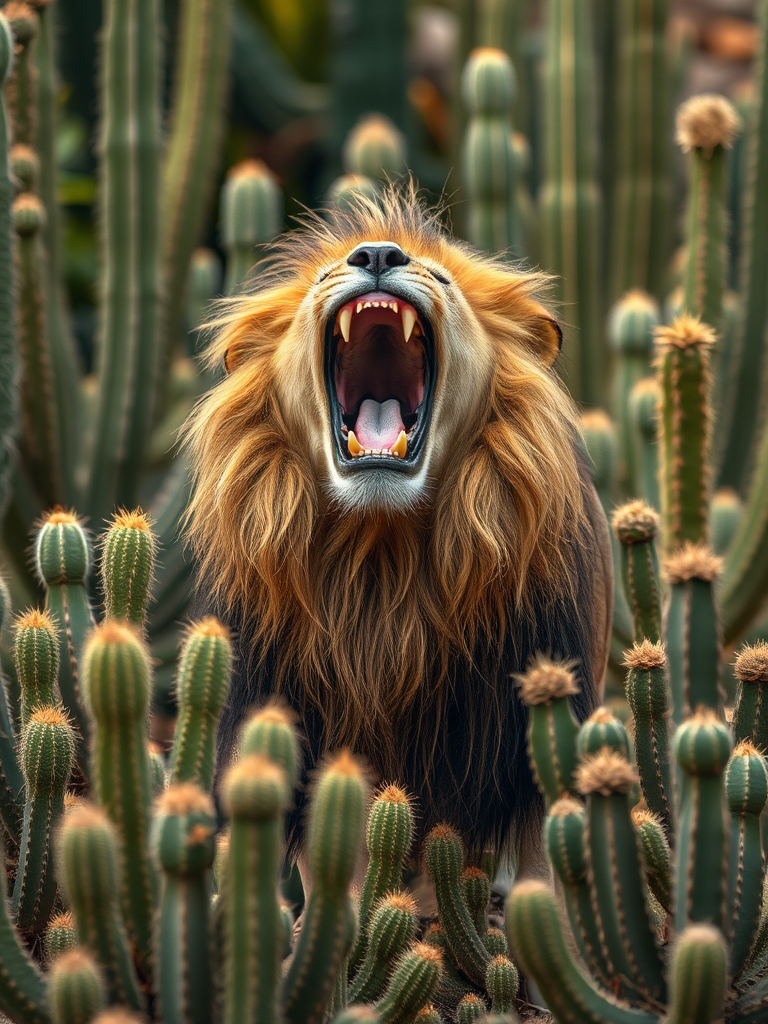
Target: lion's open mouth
<point>379,373</point>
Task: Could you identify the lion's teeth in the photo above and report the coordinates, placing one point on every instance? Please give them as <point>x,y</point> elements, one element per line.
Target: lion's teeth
<point>345,319</point>
<point>353,445</point>
<point>359,307</point>
<point>409,319</point>
<point>400,447</point>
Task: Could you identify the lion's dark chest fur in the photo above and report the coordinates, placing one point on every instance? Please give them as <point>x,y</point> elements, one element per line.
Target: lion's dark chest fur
<point>460,746</point>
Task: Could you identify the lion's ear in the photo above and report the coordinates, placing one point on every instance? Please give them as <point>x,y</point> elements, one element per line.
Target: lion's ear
<point>253,323</point>
<point>546,334</point>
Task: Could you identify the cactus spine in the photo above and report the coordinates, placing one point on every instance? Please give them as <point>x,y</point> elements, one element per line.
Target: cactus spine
<point>490,167</point>
<point>117,684</point>
<point>183,840</point>
<point>202,687</point>
<point>706,126</point>
<point>47,755</point>
<point>88,864</point>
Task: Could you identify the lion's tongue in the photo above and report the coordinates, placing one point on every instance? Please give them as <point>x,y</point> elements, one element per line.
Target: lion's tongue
<point>378,423</point>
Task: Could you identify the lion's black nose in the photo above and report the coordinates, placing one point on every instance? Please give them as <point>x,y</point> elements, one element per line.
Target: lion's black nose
<point>378,258</point>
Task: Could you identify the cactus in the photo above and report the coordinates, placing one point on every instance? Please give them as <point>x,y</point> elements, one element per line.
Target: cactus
<point>127,566</point>
<point>196,125</point>
<point>414,981</point>
<point>36,656</point>
<point>9,402</point>
<point>698,976</point>
<point>63,561</point>
<point>471,1008</point>
<point>643,189</point>
<point>183,841</point>
<point>117,686</point>
<point>476,890</point>
<point>647,696</point>
<point>346,190</point>
<point>644,404</point>
<point>502,980</point>
<point>616,876</point>
<point>392,929</point>
<point>746,790</point>
<point>388,838</point>
<point>706,126</point>
<point>602,730</point>
<point>702,748</point>
<point>89,872</point>
<point>631,324</point>
<point>489,164</point>
<point>11,778</point>
<point>75,988</point>
<point>444,857</point>
<point>656,854</point>
<point>251,215</point>
<point>569,200</point>
<point>740,411</point>
<point>684,374</point>
<point>552,729</point>
<point>636,526</point>
<point>694,667</point>
<point>202,686</point>
<point>724,515</point>
<point>337,812</point>
<point>59,936</point>
<point>47,756</point>
<point>750,717</point>
<point>375,149</point>
<point>270,732</point>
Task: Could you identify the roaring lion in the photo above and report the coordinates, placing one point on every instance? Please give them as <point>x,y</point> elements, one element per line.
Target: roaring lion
<point>391,510</point>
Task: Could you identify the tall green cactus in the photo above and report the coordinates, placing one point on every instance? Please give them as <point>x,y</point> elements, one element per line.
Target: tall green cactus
<point>750,717</point>
<point>636,526</point>
<point>117,686</point>
<point>683,351</point>
<point>392,928</point>
<point>251,216</point>
<point>489,163</point>
<point>644,404</point>
<point>706,126</point>
<point>9,401</point>
<point>127,566</point>
<point>75,988</point>
<point>36,655</point>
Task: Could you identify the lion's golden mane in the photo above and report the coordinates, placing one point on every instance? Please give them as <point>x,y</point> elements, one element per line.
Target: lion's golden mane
<point>361,609</point>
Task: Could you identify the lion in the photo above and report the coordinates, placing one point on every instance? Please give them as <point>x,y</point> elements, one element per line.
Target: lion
<point>391,510</point>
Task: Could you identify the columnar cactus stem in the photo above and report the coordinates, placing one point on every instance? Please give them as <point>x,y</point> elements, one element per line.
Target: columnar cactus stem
<point>59,936</point>
<point>702,747</point>
<point>453,987</point>
<point>693,630</point>
<point>196,129</point>
<point>552,728</point>
<point>640,243</point>
<point>11,778</point>
<point>683,351</point>
<point>476,890</point>
<point>36,655</point>
<point>630,330</point>
<point>647,695</point>
<point>746,790</point>
<point>602,730</point>
<point>569,198</point>
<point>375,149</point>
<point>706,126</point>
<point>117,686</point>
<point>656,855</point>
<point>636,526</point>
<point>502,981</point>
<point>490,169</point>
<point>23,995</point>
<point>617,878</point>
<point>251,215</point>
<point>741,406</point>
<point>335,830</point>
<point>9,402</point>
<point>644,402</point>
<point>444,856</point>
<point>414,981</point>
<point>256,795</point>
<point>63,561</point>
<point>537,936</point>
<point>25,24</point>
<point>566,845</point>
<point>750,718</point>
<point>725,513</point>
<point>391,930</point>
<point>89,874</point>
<point>183,841</point>
<point>270,732</point>
<point>75,988</point>
<point>698,976</point>
<point>128,566</point>
<point>202,686</point>
<point>47,757</point>
<point>388,838</point>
